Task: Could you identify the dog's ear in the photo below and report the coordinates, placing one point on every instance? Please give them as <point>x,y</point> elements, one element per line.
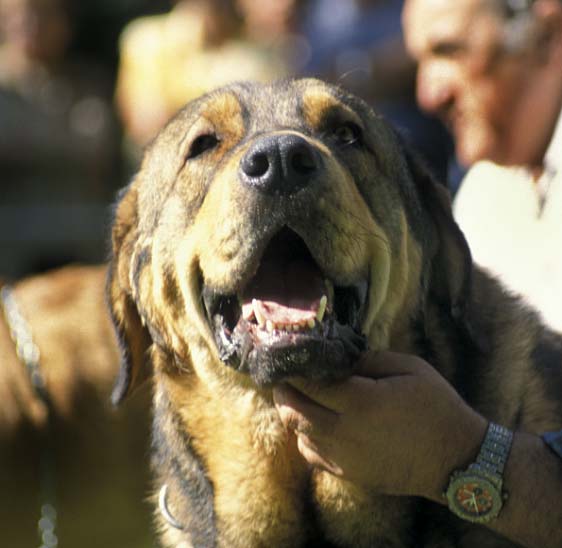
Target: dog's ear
<point>451,268</point>
<point>134,338</point>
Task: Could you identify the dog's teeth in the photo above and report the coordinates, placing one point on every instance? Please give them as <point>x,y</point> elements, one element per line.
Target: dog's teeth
<point>269,326</point>
<point>258,313</point>
<point>321,308</point>
<point>248,312</point>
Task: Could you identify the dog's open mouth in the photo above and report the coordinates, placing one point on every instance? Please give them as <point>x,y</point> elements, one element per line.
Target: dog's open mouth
<point>289,320</point>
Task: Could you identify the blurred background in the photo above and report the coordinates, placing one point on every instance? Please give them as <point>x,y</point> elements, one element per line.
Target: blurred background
<point>85,85</point>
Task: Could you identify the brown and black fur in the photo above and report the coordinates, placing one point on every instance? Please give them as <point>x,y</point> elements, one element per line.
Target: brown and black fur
<point>190,232</point>
<point>97,455</point>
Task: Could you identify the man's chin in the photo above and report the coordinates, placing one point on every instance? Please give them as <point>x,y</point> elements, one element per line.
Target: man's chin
<point>471,152</point>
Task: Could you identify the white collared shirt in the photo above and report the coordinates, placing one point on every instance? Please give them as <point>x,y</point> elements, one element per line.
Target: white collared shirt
<point>514,227</point>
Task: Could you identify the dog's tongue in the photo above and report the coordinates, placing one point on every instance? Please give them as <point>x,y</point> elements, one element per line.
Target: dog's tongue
<point>286,293</point>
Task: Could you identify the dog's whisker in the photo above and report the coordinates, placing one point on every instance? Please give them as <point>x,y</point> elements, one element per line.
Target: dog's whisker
<point>348,73</point>
<point>246,349</point>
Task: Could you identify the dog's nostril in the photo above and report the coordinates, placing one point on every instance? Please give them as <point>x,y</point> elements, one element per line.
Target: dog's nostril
<point>302,161</point>
<point>256,165</point>
<point>280,163</point>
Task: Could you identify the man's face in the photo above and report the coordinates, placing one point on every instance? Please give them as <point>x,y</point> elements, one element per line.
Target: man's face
<point>40,29</point>
<point>466,78</point>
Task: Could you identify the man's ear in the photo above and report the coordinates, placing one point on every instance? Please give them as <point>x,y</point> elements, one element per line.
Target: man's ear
<point>548,31</point>
<point>134,338</point>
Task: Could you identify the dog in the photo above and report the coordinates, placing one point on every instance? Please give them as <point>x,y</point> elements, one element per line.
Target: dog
<point>277,231</point>
<point>66,432</point>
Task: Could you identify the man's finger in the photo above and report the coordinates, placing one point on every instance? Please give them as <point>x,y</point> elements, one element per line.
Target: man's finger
<point>302,415</point>
<point>384,364</point>
<point>335,397</point>
<point>311,454</point>
<point>374,372</point>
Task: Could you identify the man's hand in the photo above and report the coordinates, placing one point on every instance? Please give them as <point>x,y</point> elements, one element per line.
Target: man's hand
<point>396,427</point>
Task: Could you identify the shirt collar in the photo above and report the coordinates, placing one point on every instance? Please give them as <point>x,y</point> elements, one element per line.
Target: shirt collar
<point>553,156</point>
<point>552,165</point>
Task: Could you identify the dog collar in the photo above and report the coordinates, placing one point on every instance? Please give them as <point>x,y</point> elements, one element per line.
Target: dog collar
<point>165,511</point>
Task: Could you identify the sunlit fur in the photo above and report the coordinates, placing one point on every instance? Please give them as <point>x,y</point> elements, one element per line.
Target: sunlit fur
<point>372,213</point>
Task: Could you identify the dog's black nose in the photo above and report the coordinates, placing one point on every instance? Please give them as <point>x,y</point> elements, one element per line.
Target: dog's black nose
<point>280,164</point>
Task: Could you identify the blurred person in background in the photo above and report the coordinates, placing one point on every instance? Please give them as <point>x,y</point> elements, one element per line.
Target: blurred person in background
<point>71,467</point>
<point>276,26</point>
<point>167,60</point>
<point>359,45</point>
<point>58,141</point>
<point>492,69</point>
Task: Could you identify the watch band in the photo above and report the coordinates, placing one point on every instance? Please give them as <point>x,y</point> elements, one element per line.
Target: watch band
<point>494,451</point>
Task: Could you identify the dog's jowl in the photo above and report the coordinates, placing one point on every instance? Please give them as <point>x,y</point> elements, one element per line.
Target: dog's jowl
<point>278,231</point>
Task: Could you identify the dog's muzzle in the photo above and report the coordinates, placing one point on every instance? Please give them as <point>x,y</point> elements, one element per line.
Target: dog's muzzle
<point>289,320</point>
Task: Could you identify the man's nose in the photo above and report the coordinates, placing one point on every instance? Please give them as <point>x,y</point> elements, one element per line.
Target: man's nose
<point>435,87</point>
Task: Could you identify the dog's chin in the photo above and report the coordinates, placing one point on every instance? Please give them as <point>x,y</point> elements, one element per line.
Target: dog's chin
<point>328,353</point>
<point>288,320</point>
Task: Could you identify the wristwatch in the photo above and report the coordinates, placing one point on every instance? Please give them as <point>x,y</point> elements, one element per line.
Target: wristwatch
<point>476,494</point>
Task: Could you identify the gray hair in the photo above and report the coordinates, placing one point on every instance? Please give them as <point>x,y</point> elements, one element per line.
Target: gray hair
<point>517,20</point>
<point>514,8</point>
<point>518,6</point>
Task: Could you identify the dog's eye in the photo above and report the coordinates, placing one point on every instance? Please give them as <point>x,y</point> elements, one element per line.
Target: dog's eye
<point>348,134</point>
<point>202,144</point>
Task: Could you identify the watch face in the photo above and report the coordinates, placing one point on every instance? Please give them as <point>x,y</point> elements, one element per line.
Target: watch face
<point>474,498</point>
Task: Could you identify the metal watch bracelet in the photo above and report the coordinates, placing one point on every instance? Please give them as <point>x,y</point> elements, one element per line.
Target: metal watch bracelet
<point>494,450</point>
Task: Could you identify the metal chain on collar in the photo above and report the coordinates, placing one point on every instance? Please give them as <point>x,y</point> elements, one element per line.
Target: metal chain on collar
<point>165,511</point>
<point>29,354</point>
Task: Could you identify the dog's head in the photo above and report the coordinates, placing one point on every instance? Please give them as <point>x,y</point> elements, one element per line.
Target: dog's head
<point>272,230</point>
